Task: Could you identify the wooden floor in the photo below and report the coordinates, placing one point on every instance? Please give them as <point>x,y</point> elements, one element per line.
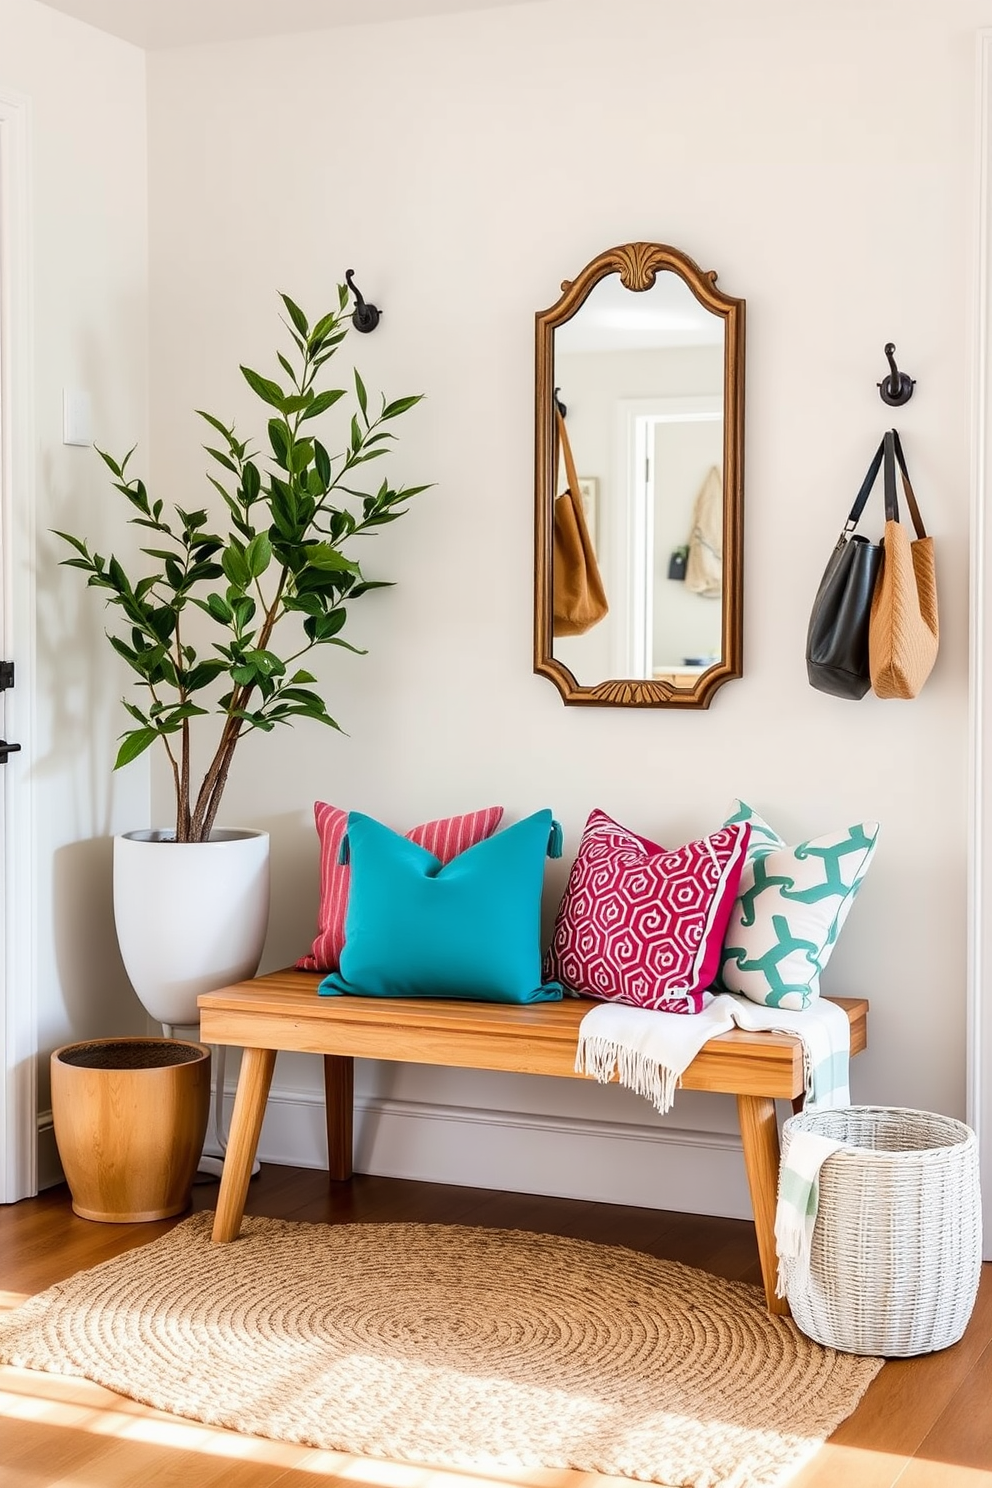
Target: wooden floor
<point>924,1423</point>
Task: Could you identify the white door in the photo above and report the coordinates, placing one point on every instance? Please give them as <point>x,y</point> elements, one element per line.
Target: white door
<point>18,1006</point>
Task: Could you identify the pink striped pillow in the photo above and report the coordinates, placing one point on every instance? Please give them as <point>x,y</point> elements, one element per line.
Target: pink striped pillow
<point>642,924</point>
<point>445,838</point>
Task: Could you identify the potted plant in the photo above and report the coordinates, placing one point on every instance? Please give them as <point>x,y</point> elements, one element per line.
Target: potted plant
<point>215,630</point>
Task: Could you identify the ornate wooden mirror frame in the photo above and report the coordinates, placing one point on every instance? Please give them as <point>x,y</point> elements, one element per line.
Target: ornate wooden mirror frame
<point>637,265</point>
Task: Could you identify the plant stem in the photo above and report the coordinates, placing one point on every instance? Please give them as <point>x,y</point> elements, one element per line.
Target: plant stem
<point>222,762</point>
<point>215,779</point>
<point>182,790</point>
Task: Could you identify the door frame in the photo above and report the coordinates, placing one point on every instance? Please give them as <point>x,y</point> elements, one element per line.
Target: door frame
<point>18,991</point>
<point>980,837</point>
<point>632,542</point>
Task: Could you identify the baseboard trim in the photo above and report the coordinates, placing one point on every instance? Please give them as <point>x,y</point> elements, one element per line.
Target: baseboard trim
<point>49,1165</point>
<point>692,1172</point>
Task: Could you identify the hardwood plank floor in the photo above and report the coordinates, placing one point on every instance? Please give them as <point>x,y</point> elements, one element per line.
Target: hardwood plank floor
<point>924,1423</point>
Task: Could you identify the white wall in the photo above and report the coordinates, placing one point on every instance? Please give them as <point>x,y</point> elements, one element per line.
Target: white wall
<point>87,328</point>
<point>820,158</point>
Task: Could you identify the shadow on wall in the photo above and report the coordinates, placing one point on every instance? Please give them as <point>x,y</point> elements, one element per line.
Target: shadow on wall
<point>294,867</point>
<point>98,998</point>
<point>80,677</point>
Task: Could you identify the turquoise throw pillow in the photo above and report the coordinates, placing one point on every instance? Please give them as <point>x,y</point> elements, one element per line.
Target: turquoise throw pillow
<point>417,927</point>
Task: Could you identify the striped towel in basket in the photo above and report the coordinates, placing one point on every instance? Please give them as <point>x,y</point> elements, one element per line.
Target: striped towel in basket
<point>798,1198</point>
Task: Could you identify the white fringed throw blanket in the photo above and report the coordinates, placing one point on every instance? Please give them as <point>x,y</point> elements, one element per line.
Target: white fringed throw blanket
<point>648,1051</point>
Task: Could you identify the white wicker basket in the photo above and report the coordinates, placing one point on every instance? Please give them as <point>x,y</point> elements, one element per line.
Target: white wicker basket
<point>897,1244</point>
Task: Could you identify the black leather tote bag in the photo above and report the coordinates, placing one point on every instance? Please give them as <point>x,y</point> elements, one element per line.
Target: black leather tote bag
<point>837,639</point>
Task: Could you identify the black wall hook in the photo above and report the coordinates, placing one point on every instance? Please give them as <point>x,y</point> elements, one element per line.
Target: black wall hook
<point>366,316</point>
<point>897,388</point>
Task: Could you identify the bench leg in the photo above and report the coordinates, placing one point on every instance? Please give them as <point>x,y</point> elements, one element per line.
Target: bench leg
<point>339,1107</point>
<point>759,1136</point>
<point>246,1124</point>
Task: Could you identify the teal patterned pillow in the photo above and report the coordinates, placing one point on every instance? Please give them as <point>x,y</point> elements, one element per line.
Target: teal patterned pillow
<point>790,906</point>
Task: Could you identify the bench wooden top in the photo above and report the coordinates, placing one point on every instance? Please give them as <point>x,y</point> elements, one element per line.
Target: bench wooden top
<point>284,1011</point>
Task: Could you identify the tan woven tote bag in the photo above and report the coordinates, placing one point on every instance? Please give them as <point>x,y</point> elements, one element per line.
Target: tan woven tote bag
<point>903,633</point>
<point>578,596</point>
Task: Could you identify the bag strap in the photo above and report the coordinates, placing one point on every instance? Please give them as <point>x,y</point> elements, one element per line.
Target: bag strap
<point>566,452</point>
<point>907,486</point>
<point>863,494</point>
<point>891,500</point>
<point>891,450</point>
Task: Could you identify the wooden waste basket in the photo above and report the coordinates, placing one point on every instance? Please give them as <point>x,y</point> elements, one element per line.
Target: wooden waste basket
<point>130,1117</point>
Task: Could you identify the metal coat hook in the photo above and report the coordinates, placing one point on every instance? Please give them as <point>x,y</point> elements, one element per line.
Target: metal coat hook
<point>366,316</point>
<point>897,388</point>
<point>559,404</point>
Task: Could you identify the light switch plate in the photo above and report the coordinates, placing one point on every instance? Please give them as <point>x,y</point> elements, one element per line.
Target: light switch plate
<point>77,417</point>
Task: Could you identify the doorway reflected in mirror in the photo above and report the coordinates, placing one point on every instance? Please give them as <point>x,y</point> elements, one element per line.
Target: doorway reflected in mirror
<point>647,359</point>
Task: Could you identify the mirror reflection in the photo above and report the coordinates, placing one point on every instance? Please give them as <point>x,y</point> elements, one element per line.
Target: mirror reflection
<point>639,406</point>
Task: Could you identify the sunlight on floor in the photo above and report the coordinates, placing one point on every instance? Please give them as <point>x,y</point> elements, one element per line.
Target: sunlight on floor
<point>76,1406</point>
<point>79,1406</point>
<point>835,1465</point>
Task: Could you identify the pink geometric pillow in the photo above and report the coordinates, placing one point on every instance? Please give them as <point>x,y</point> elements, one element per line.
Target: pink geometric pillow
<point>642,924</point>
<point>445,838</point>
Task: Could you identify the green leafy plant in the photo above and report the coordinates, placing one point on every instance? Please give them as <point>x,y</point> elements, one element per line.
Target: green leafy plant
<point>288,519</point>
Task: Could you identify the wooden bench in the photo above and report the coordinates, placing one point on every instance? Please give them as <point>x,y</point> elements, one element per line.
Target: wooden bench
<point>283,1011</point>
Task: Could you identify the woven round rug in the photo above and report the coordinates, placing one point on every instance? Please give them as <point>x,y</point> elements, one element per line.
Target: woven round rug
<point>451,1346</point>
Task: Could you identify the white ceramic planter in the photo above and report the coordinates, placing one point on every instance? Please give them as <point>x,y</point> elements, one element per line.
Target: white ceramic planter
<point>190,916</point>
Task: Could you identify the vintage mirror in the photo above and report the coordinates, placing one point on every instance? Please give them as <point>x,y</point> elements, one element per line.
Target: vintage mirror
<point>641,363</point>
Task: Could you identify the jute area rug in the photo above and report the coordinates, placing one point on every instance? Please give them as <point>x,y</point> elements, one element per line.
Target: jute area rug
<point>451,1346</point>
